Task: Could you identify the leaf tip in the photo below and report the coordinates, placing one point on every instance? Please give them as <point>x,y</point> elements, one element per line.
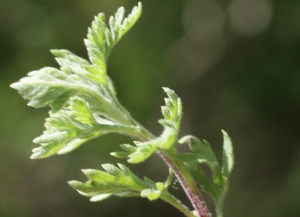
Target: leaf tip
<point>228,156</point>
<point>85,171</point>
<point>99,197</point>
<point>15,85</point>
<point>140,6</point>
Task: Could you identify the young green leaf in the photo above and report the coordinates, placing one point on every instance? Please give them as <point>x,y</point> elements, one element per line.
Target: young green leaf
<point>116,181</point>
<point>101,39</point>
<point>112,182</point>
<point>73,125</point>
<point>172,113</point>
<point>53,87</point>
<point>204,154</point>
<point>203,182</point>
<point>79,66</point>
<point>63,134</point>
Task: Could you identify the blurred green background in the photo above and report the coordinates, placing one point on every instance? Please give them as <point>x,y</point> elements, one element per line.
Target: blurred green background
<point>235,64</point>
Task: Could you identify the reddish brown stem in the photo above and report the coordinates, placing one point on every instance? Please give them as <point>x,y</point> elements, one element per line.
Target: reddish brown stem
<point>187,183</point>
<point>183,176</point>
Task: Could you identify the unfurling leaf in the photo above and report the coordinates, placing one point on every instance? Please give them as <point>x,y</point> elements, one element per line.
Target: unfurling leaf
<point>81,96</point>
<point>172,113</point>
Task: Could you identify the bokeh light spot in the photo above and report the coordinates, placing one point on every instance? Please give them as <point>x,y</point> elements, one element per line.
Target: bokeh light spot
<point>250,17</point>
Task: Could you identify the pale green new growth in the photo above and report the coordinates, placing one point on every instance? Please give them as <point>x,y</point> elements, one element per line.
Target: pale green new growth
<point>84,106</point>
<point>119,182</point>
<point>172,113</point>
<point>95,110</point>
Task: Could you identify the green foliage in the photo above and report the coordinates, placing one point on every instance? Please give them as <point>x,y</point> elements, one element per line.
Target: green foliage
<point>172,112</point>
<point>116,181</point>
<point>202,153</point>
<point>80,94</point>
<point>71,126</point>
<point>84,106</point>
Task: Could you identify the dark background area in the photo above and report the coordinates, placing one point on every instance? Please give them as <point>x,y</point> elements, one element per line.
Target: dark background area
<point>235,64</point>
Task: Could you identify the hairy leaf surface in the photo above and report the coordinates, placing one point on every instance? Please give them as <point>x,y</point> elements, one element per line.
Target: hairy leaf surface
<point>81,96</point>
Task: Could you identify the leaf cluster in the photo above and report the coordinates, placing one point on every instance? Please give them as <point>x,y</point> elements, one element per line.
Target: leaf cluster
<point>84,106</point>
<point>81,96</point>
